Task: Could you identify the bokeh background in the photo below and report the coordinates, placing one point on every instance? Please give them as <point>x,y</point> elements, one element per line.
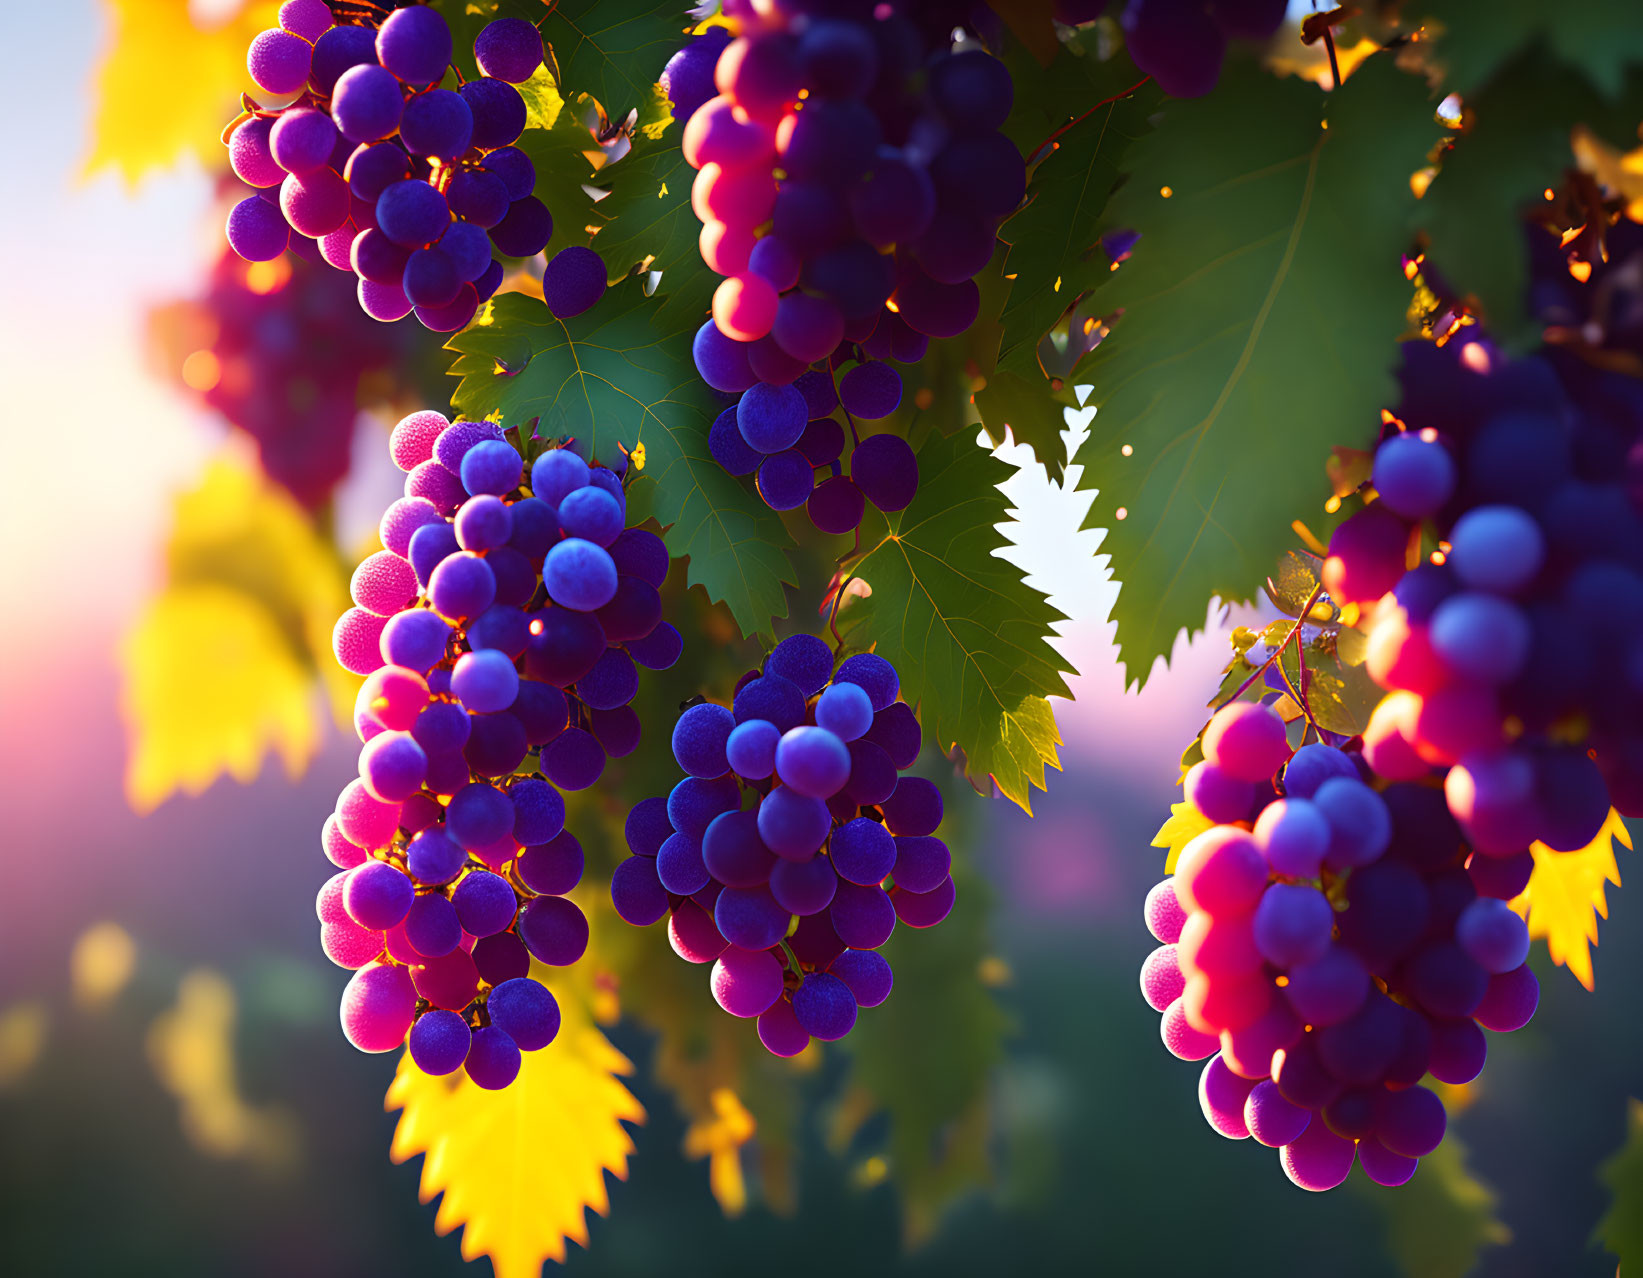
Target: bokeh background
<point>175,1095</point>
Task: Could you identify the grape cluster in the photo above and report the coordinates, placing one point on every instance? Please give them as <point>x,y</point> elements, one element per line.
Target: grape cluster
<point>1181,43</point>
<point>284,355</point>
<point>1327,946</point>
<point>408,184</point>
<point>851,177</point>
<point>772,855</point>
<point>499,628</point>
<point>1512,649</point>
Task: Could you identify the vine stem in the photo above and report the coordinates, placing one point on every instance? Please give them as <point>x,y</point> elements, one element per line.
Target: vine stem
<point>1273,655</point>
<point>1079,119</point>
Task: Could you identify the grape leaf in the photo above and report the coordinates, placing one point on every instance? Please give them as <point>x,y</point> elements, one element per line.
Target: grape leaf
<point>610,376</point>
<point>1054,254</point>
<point>614,49</point>
<point>1566,897</point>
<point>562,149</point>
<point>519,1167</point>
<point>145,35</point>
<point>928,1061</point>
<point>1437,1226</point>
<point>1517,144</point>
<point>1260,310</point>
<point>210,686</point>
<point>646,220</point>
<point>219,668</point>
<point>1621,1229</point>
<point>1599,37</point>
<point>1184,824</point>
<point>964,631</point>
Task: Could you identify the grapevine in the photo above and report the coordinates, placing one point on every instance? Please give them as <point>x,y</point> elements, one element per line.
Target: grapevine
<point>710,599</point>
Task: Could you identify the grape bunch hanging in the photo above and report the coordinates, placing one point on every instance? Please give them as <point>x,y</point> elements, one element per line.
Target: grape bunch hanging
<point>1327,945</point>
<point>408,184</point>
<point>500,621</point>
<point>770,858</point>
<point>1509,647</point>
<point>851,178</point>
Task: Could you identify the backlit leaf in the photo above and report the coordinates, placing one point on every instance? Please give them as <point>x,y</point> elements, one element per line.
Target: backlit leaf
<point>611,376</point>
<point>156,51</point>
<point>964,631</point>
<point>1184,824</point>
<point>520,1167</point>
<point>219,669</point>
<point>1260,309</point>
<point>211,686</point>
<point>1566,896</point>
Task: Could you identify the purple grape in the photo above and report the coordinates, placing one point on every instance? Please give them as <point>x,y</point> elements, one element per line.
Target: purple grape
<point>573,281</point>
<point>554,930</point>
<point>525,1011</point>
<point>256,230</point>
<point>573,760</point>
<point>637,892</point>
<point>525,230</point>
<point>734,853</point>
<point>439,1042</point>
<point>509,49</point>
<point>493,1057</point>
<point>415,44</point>
<point>497,110</point>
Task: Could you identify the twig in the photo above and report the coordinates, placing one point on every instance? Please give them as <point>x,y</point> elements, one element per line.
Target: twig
<point>1261,669</point>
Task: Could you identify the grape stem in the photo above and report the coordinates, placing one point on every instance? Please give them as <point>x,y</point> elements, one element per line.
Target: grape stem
<point>1272,656</point>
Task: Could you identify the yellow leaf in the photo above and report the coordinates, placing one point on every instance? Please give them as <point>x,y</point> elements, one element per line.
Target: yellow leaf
<point>221,667</point>
<point>1565,897</point>
<point>1185,824</point>
<point>519,1167</point>
<point>167,84</point>
<point>210,686</point>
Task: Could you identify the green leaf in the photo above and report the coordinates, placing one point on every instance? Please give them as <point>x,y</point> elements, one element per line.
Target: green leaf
<point>929,1066</point>
<point>614,49</point>
<point>1339,692</point>
<point>1260,312</point>
<point>1033,409</point>
<point>1601,38</point>
<point>1517,145</point>
<point>1439,1223</point>
<point>961,626</point>
<point>1621,1229</point>
<point>610,376</point>
<point>647,221</point>
<point>559,143</point>
<point>1054,252</point>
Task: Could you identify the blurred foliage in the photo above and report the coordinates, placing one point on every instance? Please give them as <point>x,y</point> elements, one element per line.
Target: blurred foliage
<point>1438,1225</point>
<point>1566,896</point>
<point>519,1167</point>
<point>220,667</point>
<point>1621,1229</point>
<point>191,1048</point>
<point>203,70</point>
